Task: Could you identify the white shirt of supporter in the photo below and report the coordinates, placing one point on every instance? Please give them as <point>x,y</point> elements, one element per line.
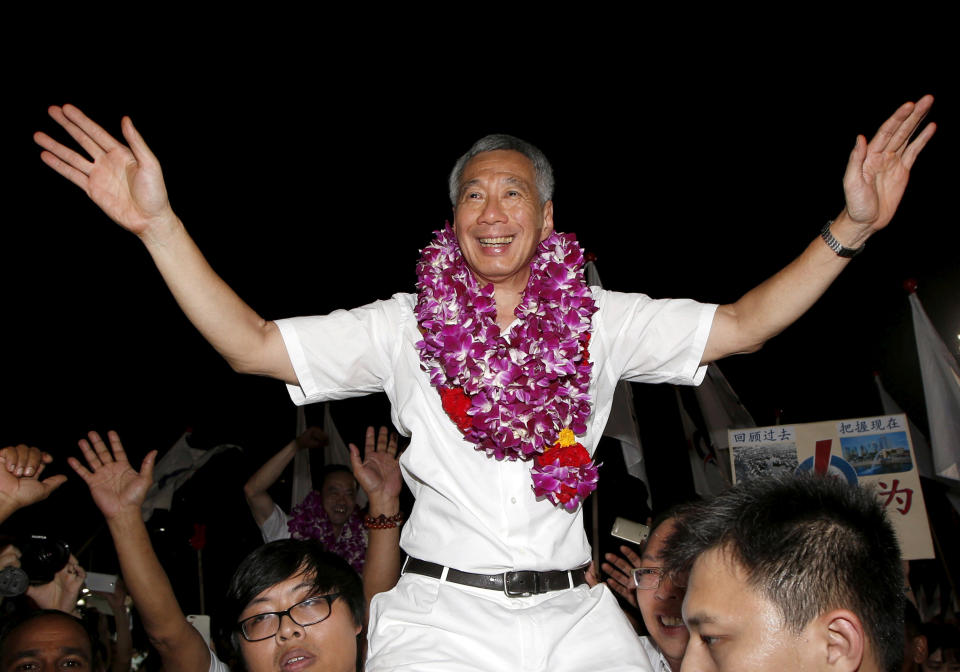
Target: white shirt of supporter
<point>276,526</point>
<point>217,665</point>
<point>658,662</point>
<point>472,512</point>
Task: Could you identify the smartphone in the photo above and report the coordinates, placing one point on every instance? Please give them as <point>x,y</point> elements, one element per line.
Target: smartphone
<point>631,531</point>
<point>101,583</point>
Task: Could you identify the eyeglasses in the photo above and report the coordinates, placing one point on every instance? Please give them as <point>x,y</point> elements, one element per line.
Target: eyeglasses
<point>309,612</point>
<point>651,578</point>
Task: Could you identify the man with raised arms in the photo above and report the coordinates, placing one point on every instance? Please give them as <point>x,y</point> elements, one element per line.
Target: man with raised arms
<point>502,369</point>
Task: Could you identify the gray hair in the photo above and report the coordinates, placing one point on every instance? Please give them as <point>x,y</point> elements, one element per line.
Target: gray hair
<point>489,143</point>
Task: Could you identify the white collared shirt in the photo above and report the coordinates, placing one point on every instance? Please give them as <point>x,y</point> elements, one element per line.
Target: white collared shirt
<point>472,512</point>
<point>658,662</point>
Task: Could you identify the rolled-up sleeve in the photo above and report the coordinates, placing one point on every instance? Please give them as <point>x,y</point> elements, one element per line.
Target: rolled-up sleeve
<point>340,355</point>
<point>655,340</point>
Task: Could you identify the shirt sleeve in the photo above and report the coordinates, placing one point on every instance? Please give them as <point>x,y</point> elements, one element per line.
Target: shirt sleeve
<point>654,340</point>
<point>275,526</point>
<point>343,354</point>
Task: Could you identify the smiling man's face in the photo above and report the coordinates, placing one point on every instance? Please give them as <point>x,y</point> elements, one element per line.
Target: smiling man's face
<point>499,220</point>
<point>661,606</point>
<point>339,496</point>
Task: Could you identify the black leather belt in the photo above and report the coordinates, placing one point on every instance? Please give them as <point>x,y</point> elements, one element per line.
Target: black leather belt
<point>513,584</point>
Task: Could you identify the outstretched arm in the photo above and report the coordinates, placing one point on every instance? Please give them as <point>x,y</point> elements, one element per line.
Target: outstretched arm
<point>255,489</point>
<point>873,184</point>
<point>20,484</point>
<point>379,476</point>
<point>118,491</point>
<point>127,184</point>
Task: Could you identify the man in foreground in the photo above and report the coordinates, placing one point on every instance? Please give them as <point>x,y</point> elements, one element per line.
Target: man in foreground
<point>506,350</point>
<point>790,573</point>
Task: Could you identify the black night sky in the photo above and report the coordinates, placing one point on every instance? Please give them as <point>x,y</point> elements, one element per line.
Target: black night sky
<point>312,188</point>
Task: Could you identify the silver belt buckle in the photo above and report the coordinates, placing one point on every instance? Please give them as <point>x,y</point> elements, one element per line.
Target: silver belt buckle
<point>520,583</point>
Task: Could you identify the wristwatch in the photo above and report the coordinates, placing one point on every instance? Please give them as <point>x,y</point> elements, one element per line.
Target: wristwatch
<point>834,244</point>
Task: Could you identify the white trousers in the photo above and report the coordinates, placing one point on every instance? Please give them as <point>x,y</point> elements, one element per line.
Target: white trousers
<point>426,625</point>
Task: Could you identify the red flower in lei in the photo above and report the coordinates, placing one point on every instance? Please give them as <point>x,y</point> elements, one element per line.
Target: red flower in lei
<point>511,397</point>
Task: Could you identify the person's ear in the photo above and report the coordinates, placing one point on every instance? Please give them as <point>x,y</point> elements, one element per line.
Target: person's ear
<point>547,221</point>
<point>845,639</point>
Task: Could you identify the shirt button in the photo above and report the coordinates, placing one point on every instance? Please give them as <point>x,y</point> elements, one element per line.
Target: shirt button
<point>513,500</point>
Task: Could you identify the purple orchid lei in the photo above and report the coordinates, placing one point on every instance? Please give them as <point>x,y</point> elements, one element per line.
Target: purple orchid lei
<point>524,389</point>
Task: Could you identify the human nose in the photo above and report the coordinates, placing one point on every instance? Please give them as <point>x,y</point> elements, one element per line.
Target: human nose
<point>288,628</point>
<point>493,212</point>
<point>694,661</point>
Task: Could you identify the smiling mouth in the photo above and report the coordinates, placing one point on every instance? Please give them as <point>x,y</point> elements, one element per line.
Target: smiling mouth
<point>670,621</point>
<point>496,242</point>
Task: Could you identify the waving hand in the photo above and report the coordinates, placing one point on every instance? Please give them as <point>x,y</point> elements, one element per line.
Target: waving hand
<point>126,182</point>
<point>878,171</point>
<point>379,472</point>
<point>115,486</point>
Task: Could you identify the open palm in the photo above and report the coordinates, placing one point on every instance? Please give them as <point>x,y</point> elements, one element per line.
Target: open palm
<point>115,486</point>
<point>379,472</point>
<point>125,182</point>
<point>878,171</point>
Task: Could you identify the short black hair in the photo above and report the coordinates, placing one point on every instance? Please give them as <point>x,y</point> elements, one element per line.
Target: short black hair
<point>14,622</point>
<point>807,544</point>
<point>330,469</point>
<point>276,562</point>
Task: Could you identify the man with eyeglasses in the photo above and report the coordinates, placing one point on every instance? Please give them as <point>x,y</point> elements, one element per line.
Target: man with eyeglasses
<point>296,607</point>
<point>658,596</point>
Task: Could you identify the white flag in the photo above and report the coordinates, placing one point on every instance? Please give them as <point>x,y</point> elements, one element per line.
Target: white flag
<point>921,449</point>
<point>622,423</point>
<point>176,467</point>
<point>941,389</point>
<point>336,451</point>
<point>302,479</point>
<point>722,410</point>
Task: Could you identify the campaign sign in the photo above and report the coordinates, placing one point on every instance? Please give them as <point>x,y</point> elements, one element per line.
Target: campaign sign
<point>871,452</point>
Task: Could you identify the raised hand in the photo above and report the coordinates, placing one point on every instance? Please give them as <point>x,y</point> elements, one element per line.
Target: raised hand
<point>125,182</point>
<point>618,568</point>
<point>312,437</point>
<point>23,460</point>
<point>61,593</point>
<point>379,472</point>
<point>20,484</point>
<point>878,171</point>
<point>115,486</point>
